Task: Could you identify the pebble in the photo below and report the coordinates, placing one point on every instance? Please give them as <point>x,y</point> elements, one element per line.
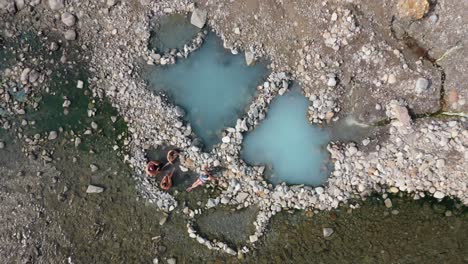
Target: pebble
<point>94,125</point>
<point>391,78</point>
<point>331,82</point>
<point>327,232</point>
<point>439,195</point>
<point>93,167</point>
<point>94,189</point>
<point>70,34</point>
<point>388,203</point>
<point>440,163</point>
<point>79,84</point>
<point>68,19</point>
<point>421,85</point>
<point>52,135</point>
<point>56,4</point>
<point>253,238</point>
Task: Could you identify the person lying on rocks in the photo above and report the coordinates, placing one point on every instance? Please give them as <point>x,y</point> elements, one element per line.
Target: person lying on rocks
<point>202,179</point>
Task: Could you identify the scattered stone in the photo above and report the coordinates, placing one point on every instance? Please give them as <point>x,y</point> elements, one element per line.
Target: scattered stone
<point>249,58</point>
<point>70,34</point>
<point>33,76</point>
<point>2,145</point>
<point>68,19</point>
<point>448,213</point>
<point>226,139</point>
<point>439,195</point>
<point>56,4</point>
<point>393,190</point>
<point>111,3</point>
<point>77,142</point>
<point>198,18</point>
<point>391,78</point>
<point>79,84</point>
<point>94,189</point>
<point>388,203</point>
<point>440,163</point>
<point>253,238</point>
<point>421,85</point>
<point>331,82</point>
<point>171,261</point>
<point>52,135</point>
<point>327,232</point>
<point>54,46</point>
<point>93,167</point>
<point>415,9</point>
<point>163,219</point>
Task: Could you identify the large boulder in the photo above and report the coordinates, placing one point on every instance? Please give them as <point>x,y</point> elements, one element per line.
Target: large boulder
<point>198,18</point>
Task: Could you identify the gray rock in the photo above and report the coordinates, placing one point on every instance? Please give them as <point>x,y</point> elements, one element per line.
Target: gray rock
<point>2,145</point>
<point>388,203</point>
<point>33,76</point>
<point>68,19</point>
<point>331,82</point>
<point>171,261</point>
<point>93,168</point>
<point>198,18</point>
<point>249,58</point>
<point>253,238</point>
<point>56,4</point>
<point>327,232</point>
<point>163,219</point>
<point>70,34</point>
<point>439,195</point>
<point>240,198</point>
<point>421,85</point>
<point>52,135</point>
<point>24,77</point>
<point>111,3</point>
<point>94,189</point>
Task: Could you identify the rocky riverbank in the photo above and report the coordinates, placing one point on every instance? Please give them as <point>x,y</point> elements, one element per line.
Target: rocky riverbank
<point>343,59</point>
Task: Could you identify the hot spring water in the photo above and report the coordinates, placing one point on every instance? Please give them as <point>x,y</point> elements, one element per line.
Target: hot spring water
<point>212,85</point>
<point>288,144</point>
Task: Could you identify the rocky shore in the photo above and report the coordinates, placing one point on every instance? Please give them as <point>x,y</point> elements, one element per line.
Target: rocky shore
<point>346,62</point>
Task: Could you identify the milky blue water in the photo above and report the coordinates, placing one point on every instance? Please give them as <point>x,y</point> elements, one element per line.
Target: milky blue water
<point>213,86</point>
<point>293,149</point>
<point>171,32</point>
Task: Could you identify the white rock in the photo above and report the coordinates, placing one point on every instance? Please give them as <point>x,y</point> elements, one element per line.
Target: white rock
<point>155,261</point>
<point>249,58</point>
<point>93,168</point>
<point>319,190</point>
<point>52,135</point>
<point>388,203</point>
<point>2,145</point>
<point>240,198</point>
<point>327,232</point>
<point>226,139</point>
<point>171,261</point>
<point>70,34</point>
<point>439,195</point>
<point>253,238</point>
<point>94,189</point>
<point>391,78</point>
<point>68,19</point>
<point>331,82</point>
<point>111,3</point>
<point>440,163</point>
<point>79,84</point>
<point>421,85</point>
<point>24,77</point>
<point>56,4</point>
<point>393,189</point>
<point>77,141</point>
<point>198,18</point>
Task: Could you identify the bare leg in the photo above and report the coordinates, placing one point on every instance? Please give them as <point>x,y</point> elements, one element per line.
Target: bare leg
<point>194,185</point>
